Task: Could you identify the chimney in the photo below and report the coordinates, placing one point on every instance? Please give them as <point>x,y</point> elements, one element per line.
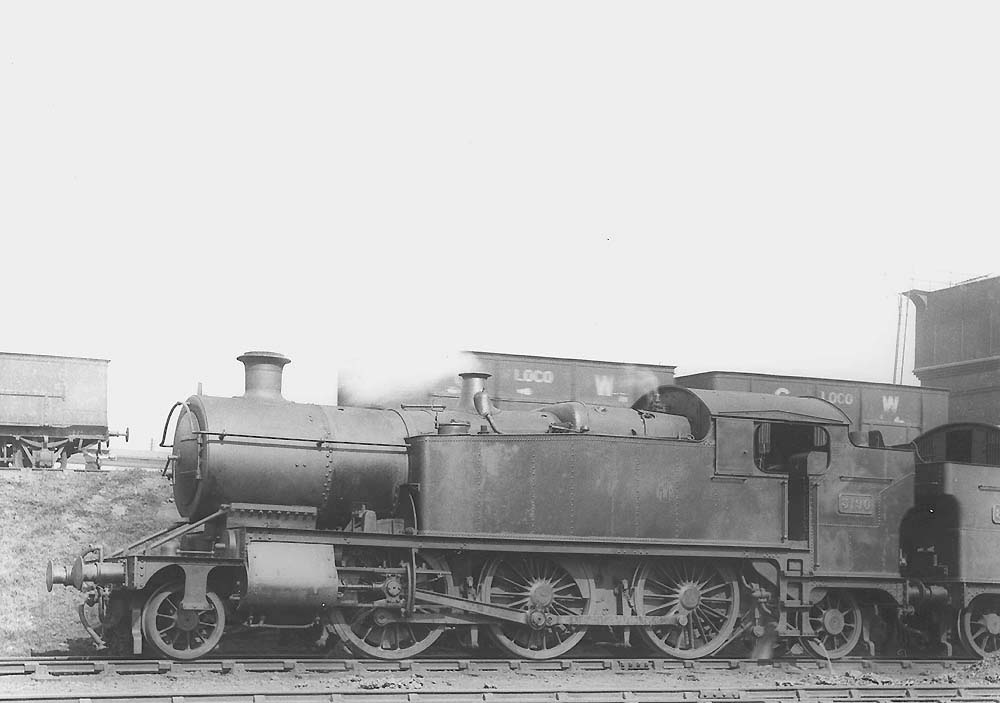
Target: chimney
<point>472,383</point>
<point>263,374</point>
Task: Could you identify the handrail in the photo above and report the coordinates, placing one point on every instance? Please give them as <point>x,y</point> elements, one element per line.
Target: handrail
<point>184,530</point>
<point>166,425</point>
<point>145,539</point>
<point>314,440</point>
<point>175,530</point>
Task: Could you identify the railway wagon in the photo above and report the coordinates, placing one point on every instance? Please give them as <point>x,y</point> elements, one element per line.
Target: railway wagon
<point>694,519</point>
<point>51,407</point>
<point>518,381</point>
<point>897,413</point>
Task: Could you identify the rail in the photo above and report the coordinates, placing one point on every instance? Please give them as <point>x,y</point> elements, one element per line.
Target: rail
<point>535,695</point>
<point>63,666</point>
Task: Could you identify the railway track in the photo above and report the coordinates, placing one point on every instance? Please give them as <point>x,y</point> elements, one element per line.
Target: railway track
<point>460,680</point>
<point>980,694</point>
<point>67,666</point>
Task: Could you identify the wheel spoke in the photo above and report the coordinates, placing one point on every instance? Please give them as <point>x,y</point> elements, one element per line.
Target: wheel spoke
<point>713,589</point>
<point>563,578</point>
<point>672,575</point>
<point>664,586</point>
<point>660,608</point>
<point>563,610</point>
<point>701,627</point>
<point>522,583</point>
<point>525,580</point>
<point>724,602</point>
<point>707,611</point>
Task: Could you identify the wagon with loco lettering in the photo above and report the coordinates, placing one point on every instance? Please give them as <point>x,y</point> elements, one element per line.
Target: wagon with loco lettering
<point>524,382</point>
<point>897,413</point>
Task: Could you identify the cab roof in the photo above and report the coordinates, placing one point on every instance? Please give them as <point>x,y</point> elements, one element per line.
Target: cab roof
<point>960,443</point>
<point>700,406</point>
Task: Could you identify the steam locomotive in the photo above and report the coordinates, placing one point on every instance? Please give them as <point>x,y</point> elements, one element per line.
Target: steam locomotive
<point>693,520</point>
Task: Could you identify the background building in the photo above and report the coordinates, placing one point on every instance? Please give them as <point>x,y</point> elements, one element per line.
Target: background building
<point>958,346</point>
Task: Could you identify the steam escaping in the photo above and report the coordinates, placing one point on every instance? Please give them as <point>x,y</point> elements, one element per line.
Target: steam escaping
<point>640,381</point>
<point>386,379</point>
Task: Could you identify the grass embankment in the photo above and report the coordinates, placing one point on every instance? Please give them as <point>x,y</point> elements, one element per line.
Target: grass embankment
<point>54,515</point>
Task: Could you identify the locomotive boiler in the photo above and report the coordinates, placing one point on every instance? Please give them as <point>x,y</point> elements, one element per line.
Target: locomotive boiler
<point>695,519</point>
<point>260,449</point>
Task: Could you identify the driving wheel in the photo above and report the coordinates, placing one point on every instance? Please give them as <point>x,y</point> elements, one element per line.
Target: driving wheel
<point>384,633</point>
<point>542,587</point>
<point>705,597</point>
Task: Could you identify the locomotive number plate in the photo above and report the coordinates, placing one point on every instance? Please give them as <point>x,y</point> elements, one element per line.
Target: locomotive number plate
<point>996,514</point>
<point>853,504</point>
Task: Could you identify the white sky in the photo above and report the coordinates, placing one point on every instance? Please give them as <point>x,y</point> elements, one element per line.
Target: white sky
<point>737,186</point>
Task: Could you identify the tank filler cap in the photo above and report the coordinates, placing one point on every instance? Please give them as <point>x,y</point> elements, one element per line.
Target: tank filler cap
<point>263,373</point>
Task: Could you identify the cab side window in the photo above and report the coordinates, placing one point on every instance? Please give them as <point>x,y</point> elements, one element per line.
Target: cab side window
<point>778,445</point>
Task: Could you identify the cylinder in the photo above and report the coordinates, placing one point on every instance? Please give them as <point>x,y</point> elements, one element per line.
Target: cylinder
<point>292,575</point>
